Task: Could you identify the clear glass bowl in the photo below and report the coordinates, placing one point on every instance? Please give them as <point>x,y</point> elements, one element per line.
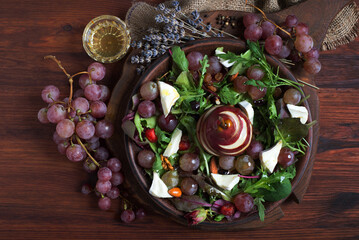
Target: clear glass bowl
<point>106,39</point>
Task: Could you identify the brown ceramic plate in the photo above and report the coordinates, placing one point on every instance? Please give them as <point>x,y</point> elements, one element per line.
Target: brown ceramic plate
<point>124,148</point>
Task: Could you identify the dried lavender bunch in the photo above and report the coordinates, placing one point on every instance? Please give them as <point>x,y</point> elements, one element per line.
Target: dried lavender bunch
<point>173,27</point>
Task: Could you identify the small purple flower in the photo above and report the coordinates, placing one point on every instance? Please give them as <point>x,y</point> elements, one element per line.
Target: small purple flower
<point>159,18</point>
<point>147,46</point>
<point>166,19</point>
<point>139,44</point>
<point>161,7</point>
<point>175,3</point>
<point>197,216</point>
<point>142,60</point>
<point>166,11</point>
<point>133,44</point>
<point>148,59</point>
<point>178,9</point>
<point>195,15</point>
<point>154,52</point>
<point>208,27</point>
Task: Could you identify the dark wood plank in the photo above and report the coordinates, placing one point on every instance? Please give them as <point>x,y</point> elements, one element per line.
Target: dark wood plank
<point>40,190</point>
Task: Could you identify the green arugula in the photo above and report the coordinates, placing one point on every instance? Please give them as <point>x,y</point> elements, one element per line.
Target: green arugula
<point>204,66</point>
<point>229,96</point>
<point>180,62</point>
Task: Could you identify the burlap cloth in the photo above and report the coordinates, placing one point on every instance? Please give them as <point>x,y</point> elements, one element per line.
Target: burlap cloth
<point>342,30</point>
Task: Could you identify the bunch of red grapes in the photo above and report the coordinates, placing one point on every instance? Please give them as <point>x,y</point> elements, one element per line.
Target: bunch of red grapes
<point>80,125</point>
<point>289,40</point>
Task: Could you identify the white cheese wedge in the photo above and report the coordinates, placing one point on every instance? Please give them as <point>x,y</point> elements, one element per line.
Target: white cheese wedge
<point>249,109</point>
<point>169,96</point>
<point>269,157</point>
<point>173,146</point>
<point>226,182</point>
<point>158,187</point>
<point>298,112</point>
<point>222,61</point>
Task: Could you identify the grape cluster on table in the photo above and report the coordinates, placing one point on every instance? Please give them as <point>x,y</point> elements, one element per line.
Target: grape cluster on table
<point>80,125</point>
<point>294,43</point>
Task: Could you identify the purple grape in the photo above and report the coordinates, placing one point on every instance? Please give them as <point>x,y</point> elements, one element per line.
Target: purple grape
<point>128,216</point>
<point>62,147</point>
<point>114,164</point>
<point>93,139</point>
<point>105,93</point>
<point>291,21</point>
<point>255,72</point>
<point>226,162</point>
<point>104,129</point>
<point>104,174</point>
<point>98,109</point>
<point>56,113</point>
<point>101,154</point>
<point>303,43</point>
<point>253,32</point>
<point>50,94</point>
<point>140,213</point>
<point>113,193</point>
<point>103,186</point>
<point>301,28</point>
<point>117,178</point>
<point>89,166</point>
<point>86,189</point>
<point>282,34</point>
<point>42,115</point>
<point>149,91</point>
<point>250,19</point>
<point>93,145</point>
<point>312,65</point>
<point>313,53</point>
<point>84,80</point>
<point>97,71</point>
<point>273,45</point>
<point>81,105</point>
<point>238,84</point>
<point>189,186</point>
<point>194,59</point>
<point>268,29</point>
<point>145,158</point>
<point>65,128</point>
<point>189,162</point>
<point>168,123</point>
<point>104,203</point>
<point>92,92</point>
<point>254,148</point>
<point>146,109</point>
<point>286,157</point>
<point>214,65</point>
<point>57,139</point>
<point>75,153</point>
<point>79,93</point>
<point>88,117</point>
<point>244,202</point>
<point>294,56</point>
<point>85,129</point>
<point>284,53</point>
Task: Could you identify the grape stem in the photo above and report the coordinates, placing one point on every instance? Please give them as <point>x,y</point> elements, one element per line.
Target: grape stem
<point>308,84</point>
<point>265,18</point>
<point>88,154</point>
<point>71,80</point>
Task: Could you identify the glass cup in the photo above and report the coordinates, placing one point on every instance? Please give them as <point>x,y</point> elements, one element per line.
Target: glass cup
<point>106,39</point>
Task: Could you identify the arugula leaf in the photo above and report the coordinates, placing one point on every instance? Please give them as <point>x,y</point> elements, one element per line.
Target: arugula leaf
<point>205,65</point>
<point>219,218</point>
<point>184,81</point>
<point>259,84</point>
<point>163,139</point>
<point>157,164</point>
<point>261,209</point>
<point>257,188</point>
<point>137,121</point>
<point>179,59</point>
<point>149,122</point>
<point>281,190</point>
<point>229,96</point>
<point>292,130</point>
<point>241,64</point>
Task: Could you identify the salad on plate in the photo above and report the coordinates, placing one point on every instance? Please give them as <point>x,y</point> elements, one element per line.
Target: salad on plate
<point>220,134</point>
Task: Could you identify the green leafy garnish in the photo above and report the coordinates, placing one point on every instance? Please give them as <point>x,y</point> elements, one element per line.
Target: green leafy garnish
<point>229,96</point>
<point>204,66</point>
<point>180,62</point>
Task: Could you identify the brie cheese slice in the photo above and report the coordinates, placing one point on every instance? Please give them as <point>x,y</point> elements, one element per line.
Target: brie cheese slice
<point>222,61</point>
<point>226,182</point>
<point>249,110</point>
<point>298,112</point>
<point>158,187</point>
<point>173,146</point>
<point>169,96</point>
<point>269,157</point>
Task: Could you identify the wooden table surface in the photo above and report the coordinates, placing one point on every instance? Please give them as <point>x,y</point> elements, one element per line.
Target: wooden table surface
<point>40,189</point>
